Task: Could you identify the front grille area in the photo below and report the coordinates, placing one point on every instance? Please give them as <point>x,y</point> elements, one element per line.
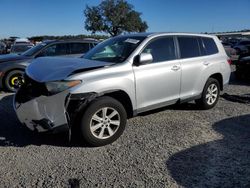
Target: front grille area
<point>30,89</point>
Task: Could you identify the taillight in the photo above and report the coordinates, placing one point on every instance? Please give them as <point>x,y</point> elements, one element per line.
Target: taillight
<point>229,61</point>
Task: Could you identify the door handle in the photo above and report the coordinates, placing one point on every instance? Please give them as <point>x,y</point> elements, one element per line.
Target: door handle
<point>175,68</point>
<point>206,63</point>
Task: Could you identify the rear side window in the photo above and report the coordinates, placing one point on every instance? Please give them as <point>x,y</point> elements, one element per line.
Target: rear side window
<point>162,49</point>
<point>189,47</point>
<point>92,45</point>
<point>56,50</point>
<point>210,46</point>
<point>79,48</point>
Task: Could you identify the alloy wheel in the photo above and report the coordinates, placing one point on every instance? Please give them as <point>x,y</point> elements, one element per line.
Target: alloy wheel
<point>104,123</point>
<point>211,94</point>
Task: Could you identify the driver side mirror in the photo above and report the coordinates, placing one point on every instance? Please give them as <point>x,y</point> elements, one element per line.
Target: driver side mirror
<point>143,59</point>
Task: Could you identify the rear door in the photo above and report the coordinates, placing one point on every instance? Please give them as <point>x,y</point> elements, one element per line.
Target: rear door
<point>158,83</point>
<point>195,60</point>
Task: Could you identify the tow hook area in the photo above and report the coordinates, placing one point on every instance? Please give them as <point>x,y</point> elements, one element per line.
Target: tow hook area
<point>42,113</point>
<point>53,113</point>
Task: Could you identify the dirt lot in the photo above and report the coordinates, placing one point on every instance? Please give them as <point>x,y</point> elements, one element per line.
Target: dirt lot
<point>177,146</point>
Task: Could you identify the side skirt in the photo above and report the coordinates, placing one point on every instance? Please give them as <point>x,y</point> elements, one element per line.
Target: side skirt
<point>164,104</point>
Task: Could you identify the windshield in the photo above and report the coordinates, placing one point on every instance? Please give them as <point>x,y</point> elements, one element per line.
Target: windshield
<point>34,50</point>
<point>115,50</point>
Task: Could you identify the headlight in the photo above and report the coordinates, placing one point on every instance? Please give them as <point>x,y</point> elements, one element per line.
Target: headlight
<point>59,86</point>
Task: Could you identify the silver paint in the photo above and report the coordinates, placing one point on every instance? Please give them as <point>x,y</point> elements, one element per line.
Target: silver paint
<point>146,85</point>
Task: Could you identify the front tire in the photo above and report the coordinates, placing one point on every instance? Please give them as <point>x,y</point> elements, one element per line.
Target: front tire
<point>14,80</point>
<point>103,122</point>
<point>210,94</point>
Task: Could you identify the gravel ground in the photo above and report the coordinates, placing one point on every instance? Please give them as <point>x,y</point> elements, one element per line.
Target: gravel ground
<point>175,147</point>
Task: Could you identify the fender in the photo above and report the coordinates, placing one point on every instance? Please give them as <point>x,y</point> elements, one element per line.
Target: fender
<point>76,103</point>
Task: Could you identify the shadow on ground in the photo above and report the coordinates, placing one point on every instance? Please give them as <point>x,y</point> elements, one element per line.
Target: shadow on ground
<point>13,133</point>
<point>244,99</point>
<point>220,163</point>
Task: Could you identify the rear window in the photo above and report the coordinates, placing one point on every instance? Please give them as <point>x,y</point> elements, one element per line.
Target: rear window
<point>209,45</point>
<point>189,46</point>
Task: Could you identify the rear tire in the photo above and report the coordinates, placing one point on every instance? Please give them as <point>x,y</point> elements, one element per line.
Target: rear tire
<point>14,80</point>
<point>210,94</point>
<point>103,121</point>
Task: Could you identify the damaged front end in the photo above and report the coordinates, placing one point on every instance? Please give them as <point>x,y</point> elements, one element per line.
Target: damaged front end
<point>42,111</point>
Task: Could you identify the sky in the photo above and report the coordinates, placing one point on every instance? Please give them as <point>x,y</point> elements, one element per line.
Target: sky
<point>26,18</point>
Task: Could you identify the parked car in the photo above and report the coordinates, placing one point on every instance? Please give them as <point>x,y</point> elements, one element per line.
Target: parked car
<point>12,66</point>
<point>233,41</point>
<point>231,52</point>
<point>2,48</point>
<point>242,47</point>
<point>118,79</point>
<point>20,48</point>
<point>243,68</point>
<point>22,41</point>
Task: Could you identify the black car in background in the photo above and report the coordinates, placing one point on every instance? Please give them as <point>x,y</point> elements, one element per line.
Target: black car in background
<point>12,66</point>
<point>243,68</point>
<point>242,47</point>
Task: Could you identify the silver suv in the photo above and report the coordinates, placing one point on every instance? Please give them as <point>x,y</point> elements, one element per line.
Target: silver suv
<point>118,79</point>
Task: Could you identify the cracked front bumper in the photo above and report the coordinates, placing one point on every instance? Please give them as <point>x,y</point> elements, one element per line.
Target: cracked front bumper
<point>42,113</point>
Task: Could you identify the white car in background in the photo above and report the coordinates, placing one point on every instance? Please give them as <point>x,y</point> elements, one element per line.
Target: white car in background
<point>22,41</point>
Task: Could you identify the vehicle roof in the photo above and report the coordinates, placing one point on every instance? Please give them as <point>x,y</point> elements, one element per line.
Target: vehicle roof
<point>71,40</point>
<point>166,33</point>
<point>23,44</point>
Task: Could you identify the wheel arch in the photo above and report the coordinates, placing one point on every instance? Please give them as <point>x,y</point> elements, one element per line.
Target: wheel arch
<point>78,103</point>
<point>123,98</point>
<point>219,78</point>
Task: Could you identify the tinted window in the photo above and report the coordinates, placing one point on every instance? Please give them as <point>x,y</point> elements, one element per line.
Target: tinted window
<point>34,50</point>
<point>189,47</point>
<point>92,45</point>
<point>56,50</point>
<point>161,49</point>
<point>79,48</point>
<point>210,46</point>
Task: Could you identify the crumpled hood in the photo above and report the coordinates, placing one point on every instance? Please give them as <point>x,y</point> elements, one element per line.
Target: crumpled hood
<point>12,57</point>
<point>47,69</point>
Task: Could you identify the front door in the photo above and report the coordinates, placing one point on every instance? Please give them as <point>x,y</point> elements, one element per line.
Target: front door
<point>158,83</point>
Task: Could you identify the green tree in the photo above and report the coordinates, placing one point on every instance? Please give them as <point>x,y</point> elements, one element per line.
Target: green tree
<point>113,17</point>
